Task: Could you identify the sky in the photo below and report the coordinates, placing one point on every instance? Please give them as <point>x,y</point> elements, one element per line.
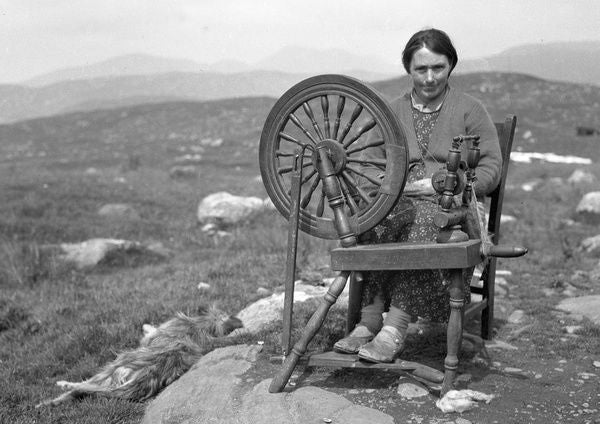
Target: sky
<point>39,36</point>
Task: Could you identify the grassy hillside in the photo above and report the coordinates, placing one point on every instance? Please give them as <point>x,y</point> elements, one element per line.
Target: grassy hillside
<point>61,323</point>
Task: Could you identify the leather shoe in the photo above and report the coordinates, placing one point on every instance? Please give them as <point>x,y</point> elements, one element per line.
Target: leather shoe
<point>385,347</point>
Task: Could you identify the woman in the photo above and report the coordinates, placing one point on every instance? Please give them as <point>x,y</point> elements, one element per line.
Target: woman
<point>431,115</point>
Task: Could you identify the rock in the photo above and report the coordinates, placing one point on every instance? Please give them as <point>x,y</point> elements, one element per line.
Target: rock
<point>183,171</point>
<point>91,252</point>
<point>572,329</point>
<point>499,344</point>
<point>591,245</point>
<point>261,291</point>
<point>596,364</point>
<point>411,391</point>
<point>226,209</point>
<point>188,159</point>
<point>579,176</point>
<point>589,207</point>
<point>265,311</point>
<point>118,210</point>
<point>531,185</point>
<point>518,372</point>
<point>582,306</point>
<point>213,391</point>
<point>461,400</point>
<point>202,286</point>
<point>516,317</point>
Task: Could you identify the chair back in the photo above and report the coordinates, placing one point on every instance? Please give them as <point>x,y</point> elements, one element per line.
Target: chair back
<point>506,134</point>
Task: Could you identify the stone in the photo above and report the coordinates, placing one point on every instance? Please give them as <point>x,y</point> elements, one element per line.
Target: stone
<point>572,329</point>
<point>183,171</point>
<point>202,286</point>
<point>188,159</point>
<point>226,209</point>
<point>118,210</point>
<point>591,245</point>
<point>582,306</point>
<point>516,317</point>
<point>499,344</point>
<point>589,207</point>
<point>213,392</point>
<point>579,176</point>
<point>262,291</point>
<point>411,391</point>
<point>268,310</point>
<point>91,252</point>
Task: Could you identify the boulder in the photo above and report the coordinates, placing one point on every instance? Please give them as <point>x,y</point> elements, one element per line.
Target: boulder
<point>89,253</point>
<point>226,209</point>
<point>591,245</point>
<point>580,177</point>
<point>183,171</point>
<point>118,210</point>
<point>216,390</point>
<point>582,306</point>
<point>589,207</point>
<point>268,310</point>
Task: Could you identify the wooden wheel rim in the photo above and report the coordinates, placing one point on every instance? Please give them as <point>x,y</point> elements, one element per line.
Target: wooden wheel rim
<point>373,106</point>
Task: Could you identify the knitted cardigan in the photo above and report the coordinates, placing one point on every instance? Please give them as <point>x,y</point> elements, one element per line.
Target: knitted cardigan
<point>461,114</point>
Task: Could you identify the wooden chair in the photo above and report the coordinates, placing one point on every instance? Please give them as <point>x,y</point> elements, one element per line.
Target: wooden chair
<point>402,256</point>
<point>331,157</point>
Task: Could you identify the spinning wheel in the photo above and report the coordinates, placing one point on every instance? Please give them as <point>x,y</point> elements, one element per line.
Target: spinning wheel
<point>312,168</point>
<point>344,117</point>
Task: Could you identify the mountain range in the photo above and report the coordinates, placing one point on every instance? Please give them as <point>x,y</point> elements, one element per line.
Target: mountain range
<point>139,79</point>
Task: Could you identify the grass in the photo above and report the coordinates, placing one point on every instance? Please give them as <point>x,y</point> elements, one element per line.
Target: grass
<point>57,322</point>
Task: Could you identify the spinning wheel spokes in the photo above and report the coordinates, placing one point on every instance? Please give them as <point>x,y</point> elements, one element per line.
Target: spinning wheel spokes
<point>362,120</point>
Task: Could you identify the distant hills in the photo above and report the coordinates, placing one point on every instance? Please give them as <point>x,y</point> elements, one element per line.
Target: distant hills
<point>139,79</point>
<point>548,113</point>
<point>562,61</point>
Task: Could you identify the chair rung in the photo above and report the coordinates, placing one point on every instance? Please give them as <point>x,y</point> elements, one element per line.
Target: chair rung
<point>474,308</point>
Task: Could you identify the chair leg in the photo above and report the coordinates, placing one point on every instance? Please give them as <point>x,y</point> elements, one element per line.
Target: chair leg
<point>489,287</point>
<point>455,328</point>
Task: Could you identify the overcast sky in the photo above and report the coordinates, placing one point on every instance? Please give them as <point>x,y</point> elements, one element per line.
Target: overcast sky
<point>38,36</point>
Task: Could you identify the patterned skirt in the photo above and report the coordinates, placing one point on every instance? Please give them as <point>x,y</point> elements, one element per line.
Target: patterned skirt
<point>422,293</point>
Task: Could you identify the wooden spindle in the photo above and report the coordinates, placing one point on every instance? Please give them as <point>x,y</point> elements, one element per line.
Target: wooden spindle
<point>311,116</point>
<point>325,107</point>
<point>306,199</point>
<point>365,146</point>
<point>297,122</point>
<point>338,116</point>
<point>291,139</point>
<point>355,114</point>
<point>362,174</point>
<point>366,126</point>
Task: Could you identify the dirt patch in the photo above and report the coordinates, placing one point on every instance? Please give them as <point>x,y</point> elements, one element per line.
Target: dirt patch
<point>526,389</point>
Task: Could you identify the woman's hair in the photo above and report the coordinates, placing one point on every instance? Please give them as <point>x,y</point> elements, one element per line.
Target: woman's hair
<point>435,40</point>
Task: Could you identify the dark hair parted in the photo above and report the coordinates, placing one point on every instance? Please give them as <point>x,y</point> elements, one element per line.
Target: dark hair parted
<point>435,40</point>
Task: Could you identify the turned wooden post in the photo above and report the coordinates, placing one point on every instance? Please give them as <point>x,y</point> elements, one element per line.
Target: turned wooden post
<point>455,328</point>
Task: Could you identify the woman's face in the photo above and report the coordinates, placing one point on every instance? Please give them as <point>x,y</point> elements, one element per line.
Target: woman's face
<point>430,72</point>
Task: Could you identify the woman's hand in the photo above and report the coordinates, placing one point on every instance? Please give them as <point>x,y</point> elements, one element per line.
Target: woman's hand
<point>419,188</point>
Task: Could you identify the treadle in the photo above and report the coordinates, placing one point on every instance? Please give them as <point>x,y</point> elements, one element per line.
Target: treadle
<point>399,256</point>
<point>333,359</point>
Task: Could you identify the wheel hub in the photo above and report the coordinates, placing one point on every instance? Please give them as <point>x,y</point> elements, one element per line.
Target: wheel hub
<point>335,152</point>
